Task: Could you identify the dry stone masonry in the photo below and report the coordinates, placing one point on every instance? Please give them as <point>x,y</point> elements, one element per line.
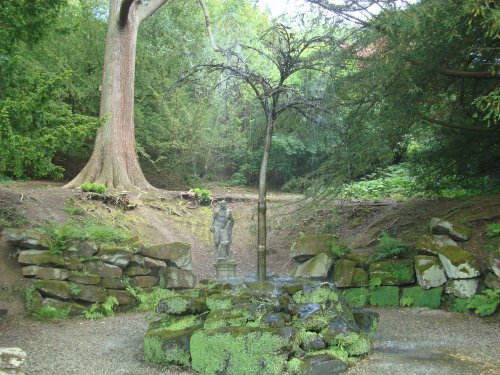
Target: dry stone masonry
<point>88,272</point>
<point>440,266</point>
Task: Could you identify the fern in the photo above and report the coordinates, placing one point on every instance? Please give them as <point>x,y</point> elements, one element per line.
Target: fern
<point>486,303</point>
<point>388,247</point>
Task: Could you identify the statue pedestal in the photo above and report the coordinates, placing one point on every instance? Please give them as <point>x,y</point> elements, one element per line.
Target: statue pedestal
<point>225,269</point>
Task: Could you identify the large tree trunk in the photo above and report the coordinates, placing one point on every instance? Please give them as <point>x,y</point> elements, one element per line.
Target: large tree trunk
<point>262,206</point>
<point>114,161</point>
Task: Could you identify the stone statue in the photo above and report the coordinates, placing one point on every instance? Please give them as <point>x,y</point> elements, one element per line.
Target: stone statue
<point>222,228</point>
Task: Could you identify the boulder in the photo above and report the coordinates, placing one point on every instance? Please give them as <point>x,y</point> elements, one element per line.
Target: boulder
<point>359,259</point>
<point>123,297</point>
<point>240,350</point>
<point>492,281</point>
<point>84,278</point>
<point>457,232</point>
<point>74,308</point>
<point>319,266</point>
<point>90,293</point>
<point>174,253</point>
<point>462,288</point>
<point>85,248</point>
<point>343,272</point>
<point>112,283</point>
<point>175,278</point>
<point>429,271</point>
<point>308,246</point>
<point>117,256</point>
<point>137,271</point>
<point>458,263</point>
<point>313,341</point>
<point>11,358</point>
<point>321,364</point>
<point>98,267</point>
<point>27,238</point>
<point>33,300</point>
<point>40,258</point>
<point>46,273</point>
<point>367,321</point>
<point>393,272</point>
<point>53,288</point>
<point>141,261</point>
<point>359,278</point>
<point>144,281</point>
<point>494,262</point>
<point>182,305</point>
<point>431,243</point>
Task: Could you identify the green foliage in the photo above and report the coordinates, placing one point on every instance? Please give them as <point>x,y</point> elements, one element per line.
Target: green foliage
<point>73,289</point>
<point>418,297</point>
<point>94,188</point>
<point>51,312</point>
<point>318,295</point>
<point>10,218</point>
<point>339,250</point>
<point>406,301</point>
<point>98,310</point>
<point>388,247</point>
<point>204,195</point>
<point>148,301</point>
<point>493,230</point>
<point>28,297</point>
<point>385,296</point>
<point>356,297</point>
<point>63,234</point>
<point>486,303</point>
<point>375,282</point>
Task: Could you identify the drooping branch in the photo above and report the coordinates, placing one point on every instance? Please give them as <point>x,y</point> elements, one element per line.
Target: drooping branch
<point>466,74</point>
<point>208,25</point>
<point>457,126</point>
<point>124,9</point>
<point>147,9</point>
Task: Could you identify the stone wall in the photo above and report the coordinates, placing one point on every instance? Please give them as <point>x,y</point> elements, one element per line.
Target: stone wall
<point>439,268</point>
<point>87,272</point>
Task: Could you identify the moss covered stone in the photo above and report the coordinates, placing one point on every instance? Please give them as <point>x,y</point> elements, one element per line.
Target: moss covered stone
<point>73,307</point>
<point>46,273</point>
<point>456,231</point>
<point>239,351</point>
<point>144,281</point>
<point>310,245</point>
<point>175,278</point>
<point>423,298</point>
<point>84,278</point>
<point>123,297</point>
<point>98,267</point>
<point>430,244</point>
<point>343,272</point>
<point>89,293</point>
<point>393,272</point>
<point>367,321</point>
<point>359,278</point>
<point>54,288</point>
<point>112,283</point>
<point>494,262</point>
<point>176,253</point>
<point>218,302</point>
<point>462,288</point>
<point>429,271</point>
<point>182,305</point>
<point>39,258</point>
<point>385,296</point>
<point>492,281</point>
<point>321,295</point>
<point>319,266</point>
<point>228,317</point>
<point>317,364</point>
<point>458,263</point>
<point>359,259</point>
<point>356,297</point>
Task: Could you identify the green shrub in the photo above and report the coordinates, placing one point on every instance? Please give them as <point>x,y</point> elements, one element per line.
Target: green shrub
<point>148,301</point>
<point>51,312</point>
<point>385,296</point>
<point>339,250</point>
<point>459,305</point>
<point>388,247</point>
<point>98,310</point>
<point>486,303</point>
<point>203,195</point>
<point>93,188</point>
<point>493,230</point>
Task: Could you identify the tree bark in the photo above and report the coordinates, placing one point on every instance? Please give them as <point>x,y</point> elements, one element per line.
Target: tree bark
<point>114,161</point>
<point>262,206</point>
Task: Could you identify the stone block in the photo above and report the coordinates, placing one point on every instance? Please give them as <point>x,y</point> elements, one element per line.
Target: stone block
<point>430,244</point>
<point>319,266</point>
<point>308,246</point>
<point>46,273</point>
<point>343,272</point>
<point>462,288</point>
<point>458,263</point>
<point>457,232</point>
<point>177,254</point>
<point>429,271</point>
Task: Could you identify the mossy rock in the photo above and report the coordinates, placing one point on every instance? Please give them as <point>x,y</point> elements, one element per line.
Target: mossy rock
<point>116,255</point>
<point>456,231</point>
<point>182,305</point>
<point>317,364</point>
<point>393,272</point>
<point>338,327</point>
<point>84,278</point>
<point>343,272</point>
<point>492,281</point>
<point>177,254</point>
<point>137,271</point>
<point>494,262</point>
<point>429,271</point>
<point>53,288</point>
<point>319,294</point>
<point>385,296</point>
<point>462,288</point>
<point>360,260</point>
<point>112,283</point>
<point>33,300</point>
<point>458,263</point>
<point>359,278</point>
<point>46,273</point>
<point>123,297</point>
<point>175,278</point>
<point>317,267</point>
<point>27,238</point>
<point>98,267</point>
<point>308,246</point>
<point>90,293</point>
<point>74,308</point>
<point>40,258</point>
<point>240,351</point>
<point>367,321</point>
<point>418,297</point>
<point>218,302</point>
<point>276,319</point>
<point>356,297</point>
<point>459,305</point>
<point>228,317</point>
<point>165,346</point>
<point>430,244</point>
<point>144,281</point>
<point>85,248</point>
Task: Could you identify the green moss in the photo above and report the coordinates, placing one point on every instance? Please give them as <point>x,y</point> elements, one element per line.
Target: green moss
<point>318,295</point>
<point>356,297</point>
<point>457,256</point>
<point>385,296</point>
<point>218,302</point>
<point>51,312</point>
<point>359,277</point>
<point>335,351</point>
<point>354,344</point>
<point>154,353</point>
<point>393,272</point>
<point>459,305</point>
<point>423,298</point>
<point>240,351</point>
<point>295,366</point>
<point>229,317</point>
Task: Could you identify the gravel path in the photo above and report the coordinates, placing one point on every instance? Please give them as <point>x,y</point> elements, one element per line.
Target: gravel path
<point>409,341</point>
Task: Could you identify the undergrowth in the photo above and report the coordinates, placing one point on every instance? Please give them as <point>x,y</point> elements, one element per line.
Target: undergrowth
<point>388,247</point>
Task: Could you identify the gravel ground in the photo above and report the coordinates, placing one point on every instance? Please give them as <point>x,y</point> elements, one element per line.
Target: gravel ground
<point>409,341</point>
